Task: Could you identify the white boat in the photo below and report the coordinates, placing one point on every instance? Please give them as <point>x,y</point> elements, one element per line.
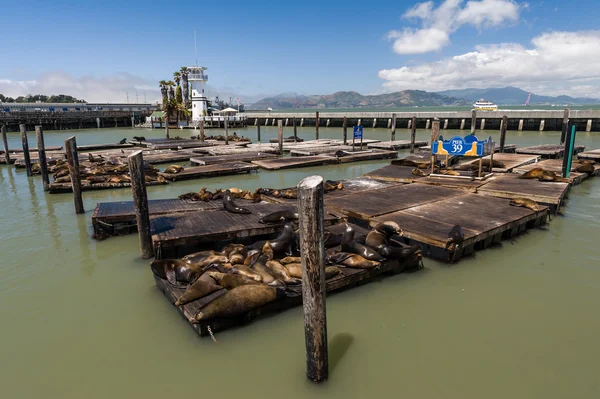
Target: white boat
<point>483,105</point>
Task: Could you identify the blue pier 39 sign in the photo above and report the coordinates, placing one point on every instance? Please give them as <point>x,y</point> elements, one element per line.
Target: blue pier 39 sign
<point>468,146</point>
<point>358,132</point>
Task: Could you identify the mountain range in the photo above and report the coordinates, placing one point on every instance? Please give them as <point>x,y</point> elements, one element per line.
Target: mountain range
<point>411,98</point>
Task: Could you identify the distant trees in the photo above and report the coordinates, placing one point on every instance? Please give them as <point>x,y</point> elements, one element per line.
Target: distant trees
<point>221,104</point>
<point>60,98</point>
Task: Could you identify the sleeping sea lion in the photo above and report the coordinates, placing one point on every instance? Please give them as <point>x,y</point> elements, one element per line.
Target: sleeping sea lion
<point>585,168</point>
<point>230,206</point>
<point>349,245</point>
<point>238,301</point>
<point>200,288</point>
<point>551,176</point>
<point>199,256</point>
<point>448,172</point>
<point>173,169</point>
<point>351,260</point>
<point>400,253</point>
<point>229,248</point>
<point>260,267</point>
<point>61,173</point>
<point>63,179</point>
<point>456,237</point>
<point>290,259</point>
<point>295,270</point>
<point>237,257</point>
<point>246,272</point>
<point>280,272</point>
<point>381,234</point>
<point>279,216</point>
<point>176,271</point>
<point>190,196</point>
<point>231,280</point>
<point>526,202</point>
<point>95,179</point>
<point>251,257</point>
<point>418,172</point>
<point>534,173</point>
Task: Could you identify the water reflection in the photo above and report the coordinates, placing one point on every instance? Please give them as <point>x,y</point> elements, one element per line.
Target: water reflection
<point>88,266</point>
<point>338,346</point>
<point>35,203</point>
<point>52,224</point>
<point>11,181</point>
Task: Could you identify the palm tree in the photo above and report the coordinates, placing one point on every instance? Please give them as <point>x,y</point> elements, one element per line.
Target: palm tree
<point>178,96</point>
<point>185,86</point>
<point>163,91</point>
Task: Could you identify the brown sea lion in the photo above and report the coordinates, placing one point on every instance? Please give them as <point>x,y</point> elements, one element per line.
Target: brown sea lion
<point>231,280</point>
<point>526,202</point>
<point>190,196</point>
<point>231,206</point>
<point>349,245</point>
<point>199,256</point>
<point>586,161</point>
<point>260,267</point>
<point>229,248</point>
<point>409,162</point>
<point>487,161</point>
<point>238,301</point>
<point>61,173</point>
<point>418,172</point>
<point>551,176</point>
<point>456,236</point>
<point>96,179</point>
<point>534,173</point>
<point>234,190</point>
<point>290,259</point>
<point>585,168</point>
<point>203,286</point>
<point>35,168</point>
<point>63,179</point>
<point>176,271</point>
<point>400,253</point>
<point>381,234</point>
<point>295,270</point>
<point>279,216</point>
<point>448,172</point>
<point>280,272</point>
<point>351,260</point>
<point>251,257</point>
<point>284,243</point>
<point>246,272</point>
<point>267,250</point>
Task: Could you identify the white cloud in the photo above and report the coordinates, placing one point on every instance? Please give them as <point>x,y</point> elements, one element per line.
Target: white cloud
<point>557,62</point>
<point>438,23</point>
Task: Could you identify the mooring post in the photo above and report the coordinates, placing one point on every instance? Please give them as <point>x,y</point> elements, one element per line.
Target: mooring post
<point>521,125</point>
<point>473,121</point>
<point>295,129</point>
<point>345,128</point>
<point>73,163</point>
<point>427,124</point>
<point>483,124</point>
<point>413,134</point>
<point>258,133</point>
<point>542,125</point>
<point>393,127</point>
<point>435,133</point>
<point>569,147</point>
<point>25,144</point>
<point>202,137</point>
<point>317,127</point>
<point>140,202</point>
<point>97,123</point>
<point>226,130</point>
<point>280,136</point>
<point>167,126</point>
<point>39,133</point>
<point>312,252</point>
<point>503,132</point>
<point>5,144</point>
<point>588,126</point>
<point>563,135</point>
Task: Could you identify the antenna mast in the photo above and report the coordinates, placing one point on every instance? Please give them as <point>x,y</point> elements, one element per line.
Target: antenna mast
<point>195,47</point>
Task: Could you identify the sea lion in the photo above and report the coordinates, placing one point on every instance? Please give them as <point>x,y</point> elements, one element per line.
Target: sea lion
<point>190,196</point>
<point>61,173</point>
<point>486,162</point>
<point>418,172</point>
<point>585,168</point>
<point>173,169</point>
<point>139,138</point>
<point>123,141</point>
<point>231,280</point>
<point>332,240</point>
<point>246,272</point>
<point>586,161</point>
<point>534,173</point>
<point>381,234</point>
<point>349,245</point>
<point>238,301</point>
<point>400,253</point>
<point>203,286</point>
<point>280,272</point>
<point>96,179</point>
<point>351,260</point>
<point>35,168</point>
<point>448,172</point>
<point>237,257</point>
<point>176,271</point>
<point>63,179</point>
<point>279,216</point>
<point>260,267</point>
<point>231,207</point>
<point>256,198</point>
<point>456,236</point>
<point>526,202</point>
<point>252,256</point>
<point>229,248</point>
<point>295,270</point>
<point>290,259</point>
<point>284,243</point>
<point>551,176</point>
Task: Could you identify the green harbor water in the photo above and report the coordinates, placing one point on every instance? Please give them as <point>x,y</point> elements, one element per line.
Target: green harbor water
<point>83,319</point>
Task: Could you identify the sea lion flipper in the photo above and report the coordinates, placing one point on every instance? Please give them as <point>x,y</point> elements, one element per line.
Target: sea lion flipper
<point>171,276</point>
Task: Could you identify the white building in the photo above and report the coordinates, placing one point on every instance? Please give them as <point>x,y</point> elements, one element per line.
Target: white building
<point>197,79</point>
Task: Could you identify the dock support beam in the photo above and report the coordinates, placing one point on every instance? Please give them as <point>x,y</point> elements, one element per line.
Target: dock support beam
<point>483,124</point>
<point>25,144</point>
<point>274,121</point>
<point>97,123</point>
<point>227,130</point>
<point>258,133</point>
<point>427,124</point>
<point>473,121</point>
<point>73,163</point>
<point>520,124</point>
<point>359,122</point>
<point>286,121</point>
<point>588,127</point>
<point>202,137</point>
<point>504,126</point>
<point>345,128</point>
<point>312,251</point>
<point>328,122</point>
<point>302,122</point>
<point>445,124</point>
<point>266,121</point>
<point>140,202</point>
<point>280,136</point>
<point>542,125</point>
<point>564,127</point>
<point>5,144</point>
<point>389,125</point>
<point>256,122</point>
<point>462,124</point>
<point>435,133</point>
<point>393,126</point>
<point>413,133</point>
<point>39,133</point>
<point>374,123</point>
<point>317,126</point>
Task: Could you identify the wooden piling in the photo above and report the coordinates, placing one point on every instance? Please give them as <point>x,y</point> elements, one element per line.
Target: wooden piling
<point>435,133</point>
<point>588,127</point>
<point>413,134</point>
<point>483,124</point>
<point>445,124</point>
<point>503,132</point>
<point>569,147</point>
<point>133,122</point>
<point>427,124</point>
<point>5,144</point>
<point>563,135</point>
<point>312,251</point>
<point>39,133</point>
<point>374,123</point>
<point>473,121</point>
<point>393,127</point>
<point>140,202</point>
<point>345,127</point>
<point>202,136</point>
<point>226,130</point>
<point>520,124</point>
<point>73,163</point>
<point>409,124</point>
<point>542,125</point>
<point>295,129</point>
<point>258,133</point>
<point>25,144</point>
<point>280,136</point>
<point>462,124</point>
<point>166,125</point>
<point>317,127</point>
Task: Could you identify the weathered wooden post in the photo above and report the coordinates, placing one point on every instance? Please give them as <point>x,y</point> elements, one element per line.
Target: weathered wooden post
<point>295,129</point>
<point>563,135</point>
<point>393,127</point>
<point>226,130</point>
<point>345,128</point>
<point>503,132</point>
<point>317,127</point>
<point>473,121</point>
<point>39,133</point>
<point>258,133</point>
<point>25,144</point>
<point>140,202</point>
<point>569,147</point>
<point>202,136</point>
<point>312,251</point>
<point>5,144</point>
<point>73,163</point>
<point>413,134</point>
<point>280,136</point>
<point>166,125</point>
<point>435,133</point>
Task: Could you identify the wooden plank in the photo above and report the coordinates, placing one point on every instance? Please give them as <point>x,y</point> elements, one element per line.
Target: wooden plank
<point>199,172</point>
<point>212,160</point>
<point>395,145</point>
<point>241,150</point>
<point>510,161</point>
<point>548,150</point>
<point>32,150</point>
<point>510,186</point>
<point>394,173</point>
<point>295,162</point>
<point>367,156</point>
<point>325,149</point>
<point>592,154</point>
<point>109,146</point>
<point>56,188</point>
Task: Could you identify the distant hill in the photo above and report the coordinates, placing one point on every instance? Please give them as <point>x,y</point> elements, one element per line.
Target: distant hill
<point>61,98</point>
<point>515,96</point>
<point>352,99</point>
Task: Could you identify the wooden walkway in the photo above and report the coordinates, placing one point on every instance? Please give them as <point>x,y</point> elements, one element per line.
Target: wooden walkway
<point>592,154</point>
<point>396,145</point>
<point>510,161</point>
<point>170,144</point>
<point>548,150</point>
<point>48,148</point>
<point>247,157</point>
<point>295,162</point>
<point>221,169</point>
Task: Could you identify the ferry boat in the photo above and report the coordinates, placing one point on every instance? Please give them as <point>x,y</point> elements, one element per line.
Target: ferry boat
<point>483,105</point>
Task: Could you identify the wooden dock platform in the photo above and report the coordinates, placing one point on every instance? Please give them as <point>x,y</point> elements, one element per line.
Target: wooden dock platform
<point>485,221</point>
<point>180,234</point>
<point>548,150</point>
<point>239,150</point>
<point>97,147</point>
<point>48,148</point>
<point>57,188</point>
<point>295,162</point>
<point>555,165</point>
<point>167,156</point>
<point>395,145</point>
<point>247,157</point>
<point>367,156</point>
<point>510,161</point>
<point>324,149</point>
<point>221,169</point>
<point>594,155</point>
<point>170,144</point>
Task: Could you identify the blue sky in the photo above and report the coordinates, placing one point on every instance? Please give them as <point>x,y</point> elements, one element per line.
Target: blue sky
<point>102,49</point>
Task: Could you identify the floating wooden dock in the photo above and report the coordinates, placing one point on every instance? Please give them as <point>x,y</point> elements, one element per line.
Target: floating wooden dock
<point>238,150</point>
<point>367,156</point>
<point>180,234</point>
<point>396,145</point>
<point>325,149</point>
<point>510,161</point>
<point>555,165</point>
<point>247,157</point>
<point>548,150</point>
<point>57,188</point>
<point>170,144</point>
<point>48,148</point>
<point>348,278</point>
<point>163,157</point>
<point>221,169</point>
<point>594,155</point>
<point>295,162</point>
<point>97,147</point>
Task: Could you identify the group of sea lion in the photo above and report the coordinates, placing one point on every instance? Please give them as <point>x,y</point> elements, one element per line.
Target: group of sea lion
<point>206,195</point>
<point>292,193</point>
<point>420,167</point>
<point>233,137</point>
<point>585,166</point>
